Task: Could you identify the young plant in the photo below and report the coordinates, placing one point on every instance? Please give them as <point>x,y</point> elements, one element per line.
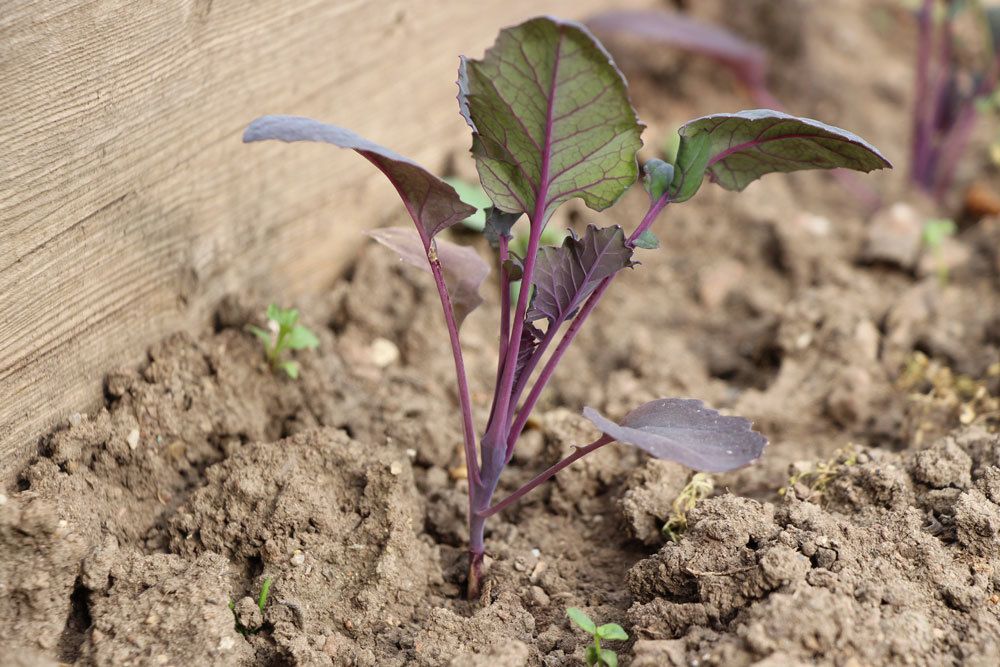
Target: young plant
<point>696,490</point>
<point>265,591</point>
<point>284,333</point>
<point>953,87</point>
<point>551,121</point>
<point>596,654</point>
<point>934,234</point>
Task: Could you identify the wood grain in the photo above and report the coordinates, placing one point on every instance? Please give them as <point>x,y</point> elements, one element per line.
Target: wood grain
<point>129,206</point>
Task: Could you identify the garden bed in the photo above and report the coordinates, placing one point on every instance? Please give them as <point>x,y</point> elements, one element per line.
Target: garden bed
<point>869,533</point>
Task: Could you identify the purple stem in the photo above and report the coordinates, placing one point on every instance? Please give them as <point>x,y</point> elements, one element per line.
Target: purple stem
<point>541,477</point>
<point>921,106</point>
<point>954,143</point>
<point>468,428</point>
<point>504,254</point>
<point>574,328</point>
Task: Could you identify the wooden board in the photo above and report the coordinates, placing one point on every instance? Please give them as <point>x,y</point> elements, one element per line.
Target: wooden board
<point>129,206</point>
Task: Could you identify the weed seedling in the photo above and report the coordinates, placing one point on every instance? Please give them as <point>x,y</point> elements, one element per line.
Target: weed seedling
<point>934,233</point>
<point>551,121</point>
<point>265,590</point>
<point>696,490</point>
<point>596,654</point>
<point>284,333</point>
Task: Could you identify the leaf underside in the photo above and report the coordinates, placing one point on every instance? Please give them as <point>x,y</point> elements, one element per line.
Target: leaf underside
<point>686,431</point>
<point>566,275</point>
<point>738,148</point>
<point>748,61</point>
<point>433,204</point>
<point>551,119</point>
<point>463,269</point>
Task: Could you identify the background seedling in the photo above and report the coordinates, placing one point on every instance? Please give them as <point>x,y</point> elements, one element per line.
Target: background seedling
<point>957,75</point>
<point>934,234</point>
<point>597,654</point>
<point>697,489</point>
<point>284,333</point>
<point>558,125</point>
<point>811,482</point>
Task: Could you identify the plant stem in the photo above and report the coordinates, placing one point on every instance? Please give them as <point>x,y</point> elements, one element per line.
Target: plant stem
<point>529,403</point>
<point>921,110</point>
<point>543,476</point>
<point>468,428</point>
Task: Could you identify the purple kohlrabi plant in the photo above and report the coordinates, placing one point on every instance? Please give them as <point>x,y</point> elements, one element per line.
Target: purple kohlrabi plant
<point>551,121</point>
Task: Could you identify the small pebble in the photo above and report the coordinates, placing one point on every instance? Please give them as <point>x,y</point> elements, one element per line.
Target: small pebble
<point>226,644</point>
<point>133,438</point>
<point>383,352</point>
<point>75,419</point>
<point>395,468</point>
<point>298,558</point>
<point>3,499</point>
<point>536,552</point>
<point>412,453</point>
<point>538,596</point>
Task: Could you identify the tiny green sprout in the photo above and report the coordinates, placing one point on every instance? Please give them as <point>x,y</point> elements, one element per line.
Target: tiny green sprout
<point>265,590</point>
<point>284,333</point>
<point>934,234</point>
<point>697,489</point>
<point>597,656</point>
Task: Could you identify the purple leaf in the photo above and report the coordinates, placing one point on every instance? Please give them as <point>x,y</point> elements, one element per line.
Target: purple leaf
<point>566,275</point>
<point>736,149</point>
<point>498,223</point>
<point>747,61</point>
<point>433,204</point>
<point>530,337</point>
<point>551,119</point>
<point>687,431</point>
<point>463,269</point>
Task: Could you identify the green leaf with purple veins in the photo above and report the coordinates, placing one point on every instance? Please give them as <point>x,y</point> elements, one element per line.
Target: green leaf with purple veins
<point>566,275</point>
<point>433,204</point>
<point>551,119</point>
<point>738,148</point>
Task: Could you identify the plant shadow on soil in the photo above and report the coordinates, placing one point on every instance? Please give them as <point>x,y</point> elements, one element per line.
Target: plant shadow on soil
<point>126,539</point>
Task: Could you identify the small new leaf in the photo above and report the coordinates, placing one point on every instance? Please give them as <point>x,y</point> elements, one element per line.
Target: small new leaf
<point>647,241</point>
<point>657,176</point>
<point>612,632</point>
<point>686,431</point>
<point>609,657</point>
<point>498,223</point>
<point>301,338</point>
<point>581,620</point>
<point>291,369</point>
<point>566,275</point>
<point>738,148</point>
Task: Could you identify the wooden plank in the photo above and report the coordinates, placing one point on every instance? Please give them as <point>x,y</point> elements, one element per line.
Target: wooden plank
<point>128,205</point>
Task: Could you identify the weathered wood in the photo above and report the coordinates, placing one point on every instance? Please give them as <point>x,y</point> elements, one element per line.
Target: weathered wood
<point>128,205</point>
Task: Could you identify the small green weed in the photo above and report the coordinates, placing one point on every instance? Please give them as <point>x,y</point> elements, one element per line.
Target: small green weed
<point>596,655</point>
<point>284,333</point>
<point>265,590</point>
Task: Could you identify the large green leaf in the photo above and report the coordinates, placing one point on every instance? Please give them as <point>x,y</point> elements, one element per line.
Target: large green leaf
<point>551,119</point>
<point>433,204</point>
<point>738,148</point>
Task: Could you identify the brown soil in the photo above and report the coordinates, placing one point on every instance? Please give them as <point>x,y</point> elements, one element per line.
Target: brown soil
<point>128,537</point>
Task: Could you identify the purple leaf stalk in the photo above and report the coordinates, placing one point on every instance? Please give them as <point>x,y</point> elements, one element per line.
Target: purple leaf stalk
<point>551,121</point>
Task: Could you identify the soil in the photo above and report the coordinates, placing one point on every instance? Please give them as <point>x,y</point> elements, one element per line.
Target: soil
<point>868,534</point>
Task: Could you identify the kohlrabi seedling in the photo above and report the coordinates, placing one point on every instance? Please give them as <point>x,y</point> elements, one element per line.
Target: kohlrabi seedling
<point>597,654</point>
<point>284,333</point>
<point>551,121</point>
<point>957,80</point>
<point>697,489</point>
